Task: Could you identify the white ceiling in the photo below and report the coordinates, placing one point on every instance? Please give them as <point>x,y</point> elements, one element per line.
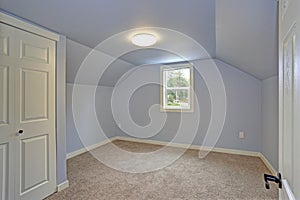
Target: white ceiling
<point>239,32</point>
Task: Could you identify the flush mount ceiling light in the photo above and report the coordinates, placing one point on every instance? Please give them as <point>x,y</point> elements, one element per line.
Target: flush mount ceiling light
<point>143,39</point>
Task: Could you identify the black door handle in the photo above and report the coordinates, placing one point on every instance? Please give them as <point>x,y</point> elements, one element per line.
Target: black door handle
<point>268,177</point>
<point>20,132</point>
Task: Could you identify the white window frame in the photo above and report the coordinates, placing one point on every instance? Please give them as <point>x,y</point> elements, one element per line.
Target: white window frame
<point>164,87</point>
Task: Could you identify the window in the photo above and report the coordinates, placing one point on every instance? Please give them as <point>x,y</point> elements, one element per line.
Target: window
<point>176,90</point>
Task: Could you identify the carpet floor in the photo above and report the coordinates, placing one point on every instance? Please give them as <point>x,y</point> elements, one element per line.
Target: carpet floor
<point>217,176</point>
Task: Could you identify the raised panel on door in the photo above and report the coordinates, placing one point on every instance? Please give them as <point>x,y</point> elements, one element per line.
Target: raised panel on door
<point>34,52</point>
<point>6,169</point>
<point>4,45</point>
<point>40,52</point>
<point>34,105</point>
<point>34,164</point>
<point>4,95</point>
<point>4,166</point>
<point>6,40</point>
<point>35,116</point>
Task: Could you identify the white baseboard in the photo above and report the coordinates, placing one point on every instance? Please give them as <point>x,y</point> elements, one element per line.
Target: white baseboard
<point>194,147</point>
<point>62,186</point>
<point>89,148</point>
<point>177,145</point>
<point>268,164</point>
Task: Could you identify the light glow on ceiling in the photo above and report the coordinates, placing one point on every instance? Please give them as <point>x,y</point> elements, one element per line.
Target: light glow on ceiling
<point>144,39</point>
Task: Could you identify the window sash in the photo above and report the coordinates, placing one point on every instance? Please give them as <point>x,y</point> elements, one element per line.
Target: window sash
<point>166,88</point>
<point>167,106</point>
<point>177,88</point>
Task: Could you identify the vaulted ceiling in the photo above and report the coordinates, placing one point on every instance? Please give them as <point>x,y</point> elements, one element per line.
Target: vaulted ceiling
<point>242,33</point>
<point>246,35</point>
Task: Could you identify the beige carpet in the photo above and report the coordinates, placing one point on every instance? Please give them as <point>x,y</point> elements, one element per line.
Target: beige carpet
<point>217,176</point>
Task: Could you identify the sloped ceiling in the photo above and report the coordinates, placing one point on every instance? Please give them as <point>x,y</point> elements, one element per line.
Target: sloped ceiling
<point>246,33</point>
<point>239,32</point>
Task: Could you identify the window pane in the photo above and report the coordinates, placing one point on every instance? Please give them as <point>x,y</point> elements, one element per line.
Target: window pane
<point>178,98</point>
<point>178,77</point>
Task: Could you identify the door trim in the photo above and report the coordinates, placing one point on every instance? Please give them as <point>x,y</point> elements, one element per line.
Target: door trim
<point>288,190</point>
<point>62,186</point>
<point>27,26</point>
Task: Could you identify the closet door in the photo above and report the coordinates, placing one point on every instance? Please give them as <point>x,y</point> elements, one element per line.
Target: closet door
<point>7,135</point>
<point>34,77</point>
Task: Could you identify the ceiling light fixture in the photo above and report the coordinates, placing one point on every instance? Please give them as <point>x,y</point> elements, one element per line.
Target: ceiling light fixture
<point>143,39</point>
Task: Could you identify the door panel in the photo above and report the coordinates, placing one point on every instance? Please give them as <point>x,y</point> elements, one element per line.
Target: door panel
<point>4,95</point>
<point>35,164</point>
<point>288,80</point>
<point>4,164</point>
<point>6,34</point>
<point>4,45</point>
<point>7,44</point>
<point>34,52</point>
<point>34,106</point>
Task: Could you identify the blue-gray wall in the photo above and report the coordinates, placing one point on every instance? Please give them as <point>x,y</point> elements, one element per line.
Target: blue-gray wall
<point>243,108</point>
<point>270,120</point>
<point>76,54</point>
<point>91,133</point>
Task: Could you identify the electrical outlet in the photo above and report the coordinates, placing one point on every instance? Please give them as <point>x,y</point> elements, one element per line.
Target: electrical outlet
<point>241,134</point>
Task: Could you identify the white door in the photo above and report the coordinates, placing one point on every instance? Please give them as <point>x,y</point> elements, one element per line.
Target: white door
<point>31,133</point>
<point>289,98</point>
<point>35,116</point>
